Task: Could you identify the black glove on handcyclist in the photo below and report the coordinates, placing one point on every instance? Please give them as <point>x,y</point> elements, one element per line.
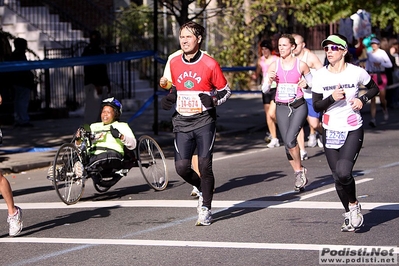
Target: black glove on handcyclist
<point>115,133</point>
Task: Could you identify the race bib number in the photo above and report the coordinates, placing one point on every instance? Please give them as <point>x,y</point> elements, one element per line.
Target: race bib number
<point>286,91</point>
<point>188,104</point>
<point>335,139</point>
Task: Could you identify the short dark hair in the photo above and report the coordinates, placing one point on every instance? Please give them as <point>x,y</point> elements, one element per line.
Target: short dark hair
<point>194,28</point>
<point>20,44</point>
<point>266,44</point>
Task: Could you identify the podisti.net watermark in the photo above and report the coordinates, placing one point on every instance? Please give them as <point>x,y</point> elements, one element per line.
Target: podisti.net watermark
<point>358,255</point>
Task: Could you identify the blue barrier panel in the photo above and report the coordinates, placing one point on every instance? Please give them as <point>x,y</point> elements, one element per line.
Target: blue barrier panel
<point>73,61</point>
<point>92,60</point>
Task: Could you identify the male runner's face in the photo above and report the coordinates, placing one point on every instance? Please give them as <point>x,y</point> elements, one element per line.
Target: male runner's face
<point>299,46</point>
<point>188,42</point>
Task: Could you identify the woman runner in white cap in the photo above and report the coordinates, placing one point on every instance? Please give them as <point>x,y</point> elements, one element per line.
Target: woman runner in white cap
<point>335,92</point>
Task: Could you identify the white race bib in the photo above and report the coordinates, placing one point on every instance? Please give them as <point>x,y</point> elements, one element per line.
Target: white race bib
<point>188,103</point>
<point>286,91</point>
<point>335,139</point>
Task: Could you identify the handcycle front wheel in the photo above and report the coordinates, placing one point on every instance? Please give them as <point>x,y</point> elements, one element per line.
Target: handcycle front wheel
<point>152,163</point>
<point>67,184</point>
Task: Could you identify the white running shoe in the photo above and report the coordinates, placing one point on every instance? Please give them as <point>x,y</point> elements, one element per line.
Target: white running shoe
<point>195,192</point>
<point>304,155</point>
<point>200,200</point>
<point>204,217</point>
<point>268,137</point>
<point>274,143</point>
<point>300,179</point>
<point>356,217</point>
<point>312,141</point>
<point>346,226</point>
<point>15,222</point>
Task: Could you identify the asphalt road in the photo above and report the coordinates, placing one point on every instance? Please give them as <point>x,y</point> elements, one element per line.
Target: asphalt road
<point>258,218</point>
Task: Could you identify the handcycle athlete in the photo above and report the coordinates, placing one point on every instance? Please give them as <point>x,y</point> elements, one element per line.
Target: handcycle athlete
<point>108,141</point>
<point>105,151</point>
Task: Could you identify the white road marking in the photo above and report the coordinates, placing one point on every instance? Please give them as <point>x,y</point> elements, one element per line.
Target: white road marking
<point>239,204</point>
<point>239,154</point>
<point>176,243</point>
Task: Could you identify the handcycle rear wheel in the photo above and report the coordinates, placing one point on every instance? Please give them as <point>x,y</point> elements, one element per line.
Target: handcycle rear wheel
<point>152,163</point>
<point>67,184</point>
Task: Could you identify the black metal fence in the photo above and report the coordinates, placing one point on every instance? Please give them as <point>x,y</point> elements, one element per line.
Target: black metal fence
<point>64,87</point>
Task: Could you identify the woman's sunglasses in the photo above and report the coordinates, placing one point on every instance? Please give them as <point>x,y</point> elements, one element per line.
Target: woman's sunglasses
<point>333,48</point>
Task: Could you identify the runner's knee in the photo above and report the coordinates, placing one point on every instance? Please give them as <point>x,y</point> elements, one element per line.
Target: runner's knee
<point>344,171</point>
<point>183,167</point>
<point>205,166</point>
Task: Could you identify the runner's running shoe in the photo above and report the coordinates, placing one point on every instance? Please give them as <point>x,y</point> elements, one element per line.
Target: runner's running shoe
<point>356,217</point>
<point>312,141</point>
<point>274,143</point>
<point>300,179</point>
<point>304,155</point>
<point>268,137</point>
<point>346,226</point>
<point>15,222</point>
<point>200,199</point>
<point>195,192</point>
<point>204,217</point>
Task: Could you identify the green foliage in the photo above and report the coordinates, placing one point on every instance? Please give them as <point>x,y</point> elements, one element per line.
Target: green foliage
<point>238,48</point>
<point>240,33</point>
<point>316,12</point>
<point>135,22</point>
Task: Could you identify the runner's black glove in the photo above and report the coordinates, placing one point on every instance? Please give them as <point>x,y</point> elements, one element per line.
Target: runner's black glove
<point>115,133</point>
<point>206,100</point>
<point>168,101</point>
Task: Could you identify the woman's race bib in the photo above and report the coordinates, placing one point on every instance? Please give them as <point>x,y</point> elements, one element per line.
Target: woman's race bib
<point>335,139</point>
<point>286,91</point>
<point>188,103</point>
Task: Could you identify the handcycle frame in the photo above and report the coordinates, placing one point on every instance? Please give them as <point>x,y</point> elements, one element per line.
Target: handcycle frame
<point>147,155</point>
